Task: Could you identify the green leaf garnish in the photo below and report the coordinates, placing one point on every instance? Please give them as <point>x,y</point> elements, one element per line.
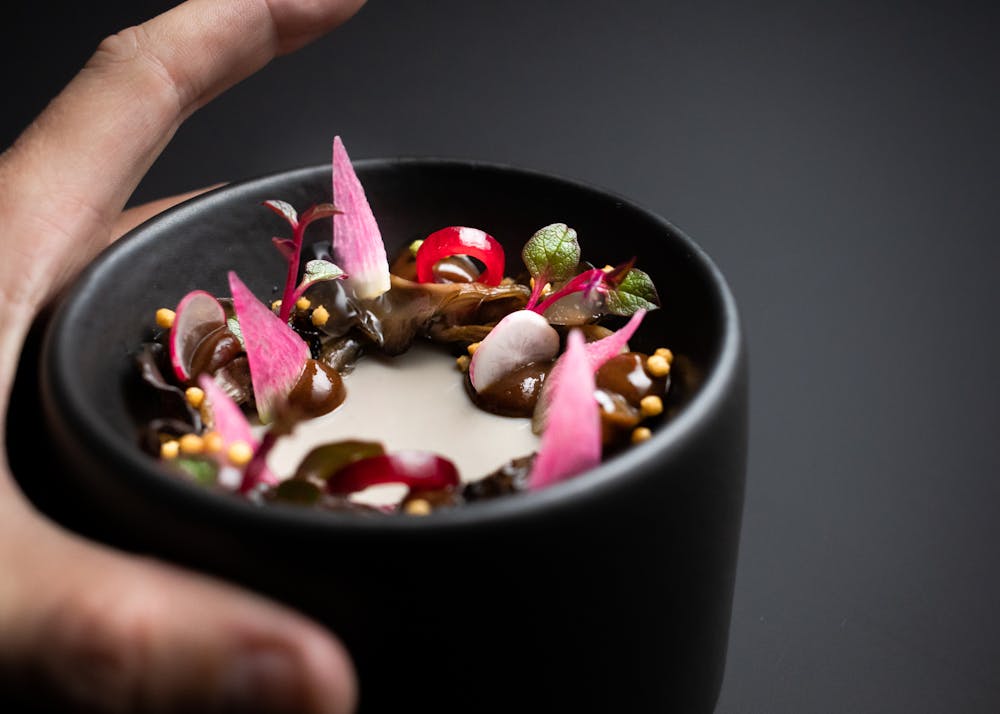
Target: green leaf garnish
<point>204,472</point>
<point>326,459</point>
<point>317,271</point>
<point>635,291</point>
<point>303,493</point>
<point>552,254</point>
<point>234,326</point>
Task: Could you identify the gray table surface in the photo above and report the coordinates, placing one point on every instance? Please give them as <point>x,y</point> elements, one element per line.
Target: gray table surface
<point>839,162</point>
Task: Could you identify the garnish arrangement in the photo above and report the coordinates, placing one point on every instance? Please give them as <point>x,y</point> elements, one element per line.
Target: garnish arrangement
<point>236,375</point>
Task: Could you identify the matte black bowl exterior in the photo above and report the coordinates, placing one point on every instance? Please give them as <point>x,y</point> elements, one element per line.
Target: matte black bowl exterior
<point>611,592</point>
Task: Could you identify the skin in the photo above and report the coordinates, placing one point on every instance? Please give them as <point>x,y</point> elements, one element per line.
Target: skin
<point>91,628</point>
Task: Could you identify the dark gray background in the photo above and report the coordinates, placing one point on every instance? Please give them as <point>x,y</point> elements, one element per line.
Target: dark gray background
<point>839,162</point>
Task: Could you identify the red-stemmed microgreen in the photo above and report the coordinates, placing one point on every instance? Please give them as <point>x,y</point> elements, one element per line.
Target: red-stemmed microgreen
<point>291,250</point>
<point>461,240</point>
<point>571,442</point>
<point>277,355</point>
<point>357,241</point>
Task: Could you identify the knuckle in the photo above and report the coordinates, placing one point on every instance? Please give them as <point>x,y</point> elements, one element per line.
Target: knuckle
<point>133,52</point>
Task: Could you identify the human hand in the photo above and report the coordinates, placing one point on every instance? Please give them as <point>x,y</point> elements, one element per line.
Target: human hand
<point>88,627</point>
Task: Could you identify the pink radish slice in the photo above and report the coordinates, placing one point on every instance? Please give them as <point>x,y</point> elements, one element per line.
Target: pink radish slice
<point>198,314</point>
<point>357,242</point>
<point>420,470</point>
<point>571,442</point>
<point>520,338</point>
<point>597,354</point>
<point>277,355</point>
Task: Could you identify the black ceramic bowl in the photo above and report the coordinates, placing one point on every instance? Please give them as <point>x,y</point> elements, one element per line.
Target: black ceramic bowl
<point>609,592</point>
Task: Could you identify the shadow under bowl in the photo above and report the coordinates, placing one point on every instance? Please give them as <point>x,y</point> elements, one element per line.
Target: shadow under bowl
<point>609,592</point>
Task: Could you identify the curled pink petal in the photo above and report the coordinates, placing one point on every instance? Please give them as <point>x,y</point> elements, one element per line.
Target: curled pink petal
<point>357,242</point>
<point>571,442</point>
<point>597,354</point>
<point>276,354</point>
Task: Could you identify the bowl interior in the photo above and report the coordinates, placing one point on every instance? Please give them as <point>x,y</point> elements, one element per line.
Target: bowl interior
<point>88,372</point>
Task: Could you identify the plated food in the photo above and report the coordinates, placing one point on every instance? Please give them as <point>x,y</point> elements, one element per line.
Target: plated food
<point>237,376</point>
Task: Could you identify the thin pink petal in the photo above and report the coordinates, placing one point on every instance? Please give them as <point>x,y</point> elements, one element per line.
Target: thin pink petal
<point>232,426</point>
<point>277,355</point>
<point>357,242</point>
<point>597,354</point>
<point>571,442</point>
<point>227,417</point>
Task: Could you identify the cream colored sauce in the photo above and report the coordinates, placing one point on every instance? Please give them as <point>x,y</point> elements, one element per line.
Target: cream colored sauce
<point>414,401</point>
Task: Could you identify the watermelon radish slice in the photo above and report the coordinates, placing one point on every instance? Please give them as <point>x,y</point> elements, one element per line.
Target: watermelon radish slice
<point>597,353</point>
<point>277,355</point>
<point>357,242</point>
<point>571,442</point>
<point>198,314</point>
<point>520,338</point>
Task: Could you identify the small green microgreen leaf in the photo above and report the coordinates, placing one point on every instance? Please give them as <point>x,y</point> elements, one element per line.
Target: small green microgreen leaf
<point>317,270</point>
<point>204,472</point>
<point>635,291</point>
<point>303,493</point>
<point>285,210</point>
<point>552,253</point>
<point>234,326</point>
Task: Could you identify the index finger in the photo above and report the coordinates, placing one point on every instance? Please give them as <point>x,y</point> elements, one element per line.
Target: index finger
<point>88,150</point>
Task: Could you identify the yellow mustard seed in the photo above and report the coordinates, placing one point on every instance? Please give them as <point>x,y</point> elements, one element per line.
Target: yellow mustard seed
<point>192,444</point>
<point>418,507</point>
<point>463,363</point>
<point>320,316</point>
<point>640,434</point>
<point>213,442</point>
<point>665,354</point>
<point>303,303</point>
<point>651,405</point>
<point>473,347</point>
<point>239,453</point>
<point>165,318</point>
<point>658,365</point>
<point>195,396</point>
<point>169,449</point>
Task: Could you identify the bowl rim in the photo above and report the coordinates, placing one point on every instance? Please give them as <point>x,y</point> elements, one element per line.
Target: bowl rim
<point>64,401</point>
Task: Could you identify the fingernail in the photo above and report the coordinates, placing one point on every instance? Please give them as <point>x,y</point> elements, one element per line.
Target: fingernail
<point>261,681</point>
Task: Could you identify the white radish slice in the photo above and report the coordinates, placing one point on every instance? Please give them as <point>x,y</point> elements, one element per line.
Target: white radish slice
<point>520,338</point>
<point>198,314</point>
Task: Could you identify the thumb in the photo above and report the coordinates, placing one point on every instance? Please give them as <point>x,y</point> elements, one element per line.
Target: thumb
<point>100,631</point>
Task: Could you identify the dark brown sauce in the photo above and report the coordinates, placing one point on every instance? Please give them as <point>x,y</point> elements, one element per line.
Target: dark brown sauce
<point>218,348</point>
<point>514,394</point>
<point>626,374</point>
<point>319,390</point>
